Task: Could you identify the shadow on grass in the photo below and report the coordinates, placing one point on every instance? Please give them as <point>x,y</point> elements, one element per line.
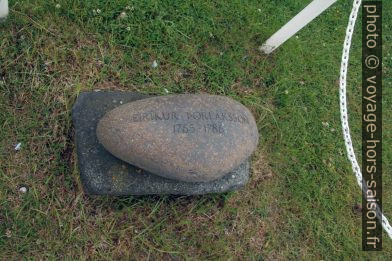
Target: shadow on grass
<point>121,202</point>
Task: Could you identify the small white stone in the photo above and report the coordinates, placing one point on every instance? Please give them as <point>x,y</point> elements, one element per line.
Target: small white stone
<point>23,189</point>
<point>123,15</point>
<point>232,176</point>
<point>18,146</point>
<point>58,6</point>
<point>154,64</point>
<point>121,102</point>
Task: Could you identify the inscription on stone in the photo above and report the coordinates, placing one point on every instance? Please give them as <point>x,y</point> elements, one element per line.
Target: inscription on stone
<point>192,138</point>
<point>194,128</point>
<point>154,116</point>
<point>203,116</point>
<point>194,119</point>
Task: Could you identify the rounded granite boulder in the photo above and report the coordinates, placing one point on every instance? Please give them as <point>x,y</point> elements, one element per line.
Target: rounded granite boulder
<point>187,137</point>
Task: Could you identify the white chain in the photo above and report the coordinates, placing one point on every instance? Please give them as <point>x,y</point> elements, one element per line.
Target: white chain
<point>343,108</point>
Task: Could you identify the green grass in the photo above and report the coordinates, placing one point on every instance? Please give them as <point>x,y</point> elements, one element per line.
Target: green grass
<point>298,203</point>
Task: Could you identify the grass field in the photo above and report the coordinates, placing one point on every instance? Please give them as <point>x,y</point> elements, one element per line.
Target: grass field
<point>299,203</point>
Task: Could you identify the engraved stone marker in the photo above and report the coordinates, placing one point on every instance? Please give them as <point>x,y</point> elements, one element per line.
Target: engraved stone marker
<point>104,174</point>
<point>187,137</point>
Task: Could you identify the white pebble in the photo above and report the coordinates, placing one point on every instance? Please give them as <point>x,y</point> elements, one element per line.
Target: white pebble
<point>23,189</point>
<point>58,6</point>
<point>123,15</point>
<point>18,146</point>
<point>154,64</point>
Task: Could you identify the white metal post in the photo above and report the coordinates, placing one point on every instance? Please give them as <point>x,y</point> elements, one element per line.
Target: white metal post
<point>310,12</point>
<point>3,8</point>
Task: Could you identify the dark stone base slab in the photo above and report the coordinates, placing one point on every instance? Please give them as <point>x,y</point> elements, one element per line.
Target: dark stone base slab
<point>103,174</point>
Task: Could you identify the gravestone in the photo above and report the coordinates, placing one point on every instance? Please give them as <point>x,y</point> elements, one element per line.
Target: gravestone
<point>123,116</point>
<point>187,137</point>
